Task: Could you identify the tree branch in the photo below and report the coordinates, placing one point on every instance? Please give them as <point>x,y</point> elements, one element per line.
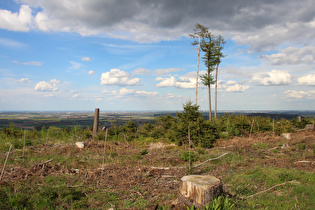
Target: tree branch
<point>210,160</point>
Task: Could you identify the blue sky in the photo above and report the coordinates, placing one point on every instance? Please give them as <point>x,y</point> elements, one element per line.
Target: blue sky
<point>137,55</point>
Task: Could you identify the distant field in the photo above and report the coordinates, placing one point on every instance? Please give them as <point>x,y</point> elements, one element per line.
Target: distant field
<point>30,120</point>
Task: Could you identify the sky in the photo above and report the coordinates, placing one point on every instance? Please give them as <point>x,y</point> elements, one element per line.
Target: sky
<point>59,55</point>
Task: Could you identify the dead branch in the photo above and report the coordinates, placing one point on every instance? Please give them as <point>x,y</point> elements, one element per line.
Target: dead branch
<point>123,134</point>
<point>166,168</point>
<point>5,162</point>
<point>210,160</point>
<point>293,181</point>
<point>304,161</point>
<point>42,164</point>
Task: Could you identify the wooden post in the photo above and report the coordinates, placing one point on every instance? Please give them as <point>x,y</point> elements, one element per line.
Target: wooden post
<point>198,190</point>
<point>96,121</point>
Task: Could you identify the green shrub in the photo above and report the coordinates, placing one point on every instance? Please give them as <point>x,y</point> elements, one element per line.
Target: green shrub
<point>144,152</point>
<point>185,156</point>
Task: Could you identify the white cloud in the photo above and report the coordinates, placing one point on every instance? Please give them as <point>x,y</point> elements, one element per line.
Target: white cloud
<point>24,80</point>
<point>166,82</point>
<point>138,93</point>
<point>47,86</point>
<point>16,21</point>
<point>182,82</point>
<point>237,88</point>
<point>85,59</point>
<point>307,80</point>
<point>141,71</point>
<point>32,63</point>
<point>75,95</point>
<point>272,78</point>
<point>146,94</point>
<point>292,56</point>
<point>91,72</point>
<point>230,82</point>
<point>118,77</point>
<point>300,94</point>
<point>166,71</point>
<point>113,92</point>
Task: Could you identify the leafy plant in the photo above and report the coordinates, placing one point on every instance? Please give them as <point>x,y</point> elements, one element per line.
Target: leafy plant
<point>220,203</point>
<point>144,152</point>
<point>185,156</point>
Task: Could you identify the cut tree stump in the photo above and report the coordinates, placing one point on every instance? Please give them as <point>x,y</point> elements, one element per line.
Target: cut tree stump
<point>198,191</point>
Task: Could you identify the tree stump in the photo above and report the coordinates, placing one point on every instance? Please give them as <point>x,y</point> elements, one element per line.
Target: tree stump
<point>198,190</point>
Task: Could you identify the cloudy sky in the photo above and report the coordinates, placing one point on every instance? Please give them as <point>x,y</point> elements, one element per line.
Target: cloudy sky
<point>137,55</point>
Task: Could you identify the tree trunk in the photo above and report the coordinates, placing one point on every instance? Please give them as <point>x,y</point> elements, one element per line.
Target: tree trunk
<point>216,92</point>
<point>198,190</point>
<point>197,76</point>
<point>209,93</point>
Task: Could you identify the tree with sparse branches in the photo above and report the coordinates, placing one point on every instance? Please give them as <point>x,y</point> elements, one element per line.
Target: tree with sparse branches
<point>218,55</point>
<point>199,33</point>
<point>208,47</point>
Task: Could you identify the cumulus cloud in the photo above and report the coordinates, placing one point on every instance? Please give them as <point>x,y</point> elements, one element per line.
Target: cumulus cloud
<point>32,63</point>
<point>263,25</point>
<point>300,94</point>
<point>260,24</point>
<point>292,56</point>
<point>118,77</point>
<point>181,82</point>
<point>272,78</point>
<point>20,21</point>
<point>307,80</point>
<point>91,72</point>
<point>237,88</point>
<point>85,59</point>
<point>47,86</point>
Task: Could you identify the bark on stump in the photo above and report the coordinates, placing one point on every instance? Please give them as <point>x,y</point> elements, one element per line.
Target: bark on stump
<point>198,190</point>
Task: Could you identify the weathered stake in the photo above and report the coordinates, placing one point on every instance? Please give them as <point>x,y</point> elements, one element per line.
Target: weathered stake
<point>96,121</point>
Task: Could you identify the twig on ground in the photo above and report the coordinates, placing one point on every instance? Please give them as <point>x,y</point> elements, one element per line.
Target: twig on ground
<point>293,181</point>
<point>210,160</point>
<point>139,194</point>
<point>42,164</point>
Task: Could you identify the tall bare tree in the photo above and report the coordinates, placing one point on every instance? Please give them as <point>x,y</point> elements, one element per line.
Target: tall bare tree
<point>199,33</point>
<point>218,55</point>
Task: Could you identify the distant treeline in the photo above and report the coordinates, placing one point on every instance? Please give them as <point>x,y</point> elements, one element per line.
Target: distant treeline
<point>184,126</point>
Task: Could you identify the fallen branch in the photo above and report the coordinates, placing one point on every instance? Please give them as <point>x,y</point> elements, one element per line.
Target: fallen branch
<point>293,181</point>
<point>5,162</point>
<point>304,161</point>
<point>41,164</point>
<point>210,160</point>
<point>166,168</point>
